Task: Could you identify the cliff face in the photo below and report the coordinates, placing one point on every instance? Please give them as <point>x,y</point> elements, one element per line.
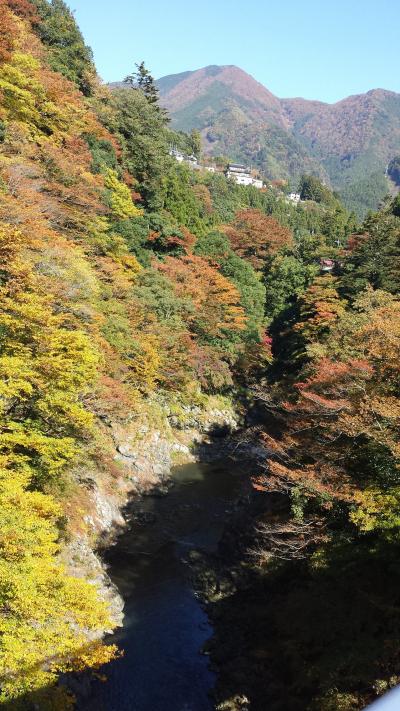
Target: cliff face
<point>144,454</point>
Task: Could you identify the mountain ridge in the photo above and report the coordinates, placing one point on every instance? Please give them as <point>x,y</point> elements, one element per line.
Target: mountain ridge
<point>347,144</point>
<point>160,82</point>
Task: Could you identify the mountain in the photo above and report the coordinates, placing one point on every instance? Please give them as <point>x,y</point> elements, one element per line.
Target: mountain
<point>238,117</point>
<point>348,144</point>
<point>354,140</point>
<point>216,88</point>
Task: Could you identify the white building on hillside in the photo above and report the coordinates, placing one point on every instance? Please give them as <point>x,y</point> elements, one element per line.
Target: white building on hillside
<point>326,265</point>
<point>294,197</point>
<point>183,158</point>
<point>239,173</point>
<point>177,155</point>
<point>242,176</point>
<point>192,160</point>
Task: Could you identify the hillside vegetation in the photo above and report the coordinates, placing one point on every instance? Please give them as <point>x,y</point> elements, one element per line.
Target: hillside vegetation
<point>348,144</point>
<point>127,279</point>
<point>312,618</point>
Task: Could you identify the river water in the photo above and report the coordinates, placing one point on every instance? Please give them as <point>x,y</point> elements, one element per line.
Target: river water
<point>165,627</point>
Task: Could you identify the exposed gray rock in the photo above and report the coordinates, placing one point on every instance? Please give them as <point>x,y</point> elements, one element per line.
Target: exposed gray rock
<point>145,456</point>
<point>126,450</point>
<point>83,562</point>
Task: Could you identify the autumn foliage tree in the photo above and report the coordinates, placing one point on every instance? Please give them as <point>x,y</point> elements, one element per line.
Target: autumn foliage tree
<point>346,405</point>
<point>214,309</point>
<point>53,208</point>
<point>45,370</point>
<point>319,307</point>
<point>45,613</point>
<point>256,237</point>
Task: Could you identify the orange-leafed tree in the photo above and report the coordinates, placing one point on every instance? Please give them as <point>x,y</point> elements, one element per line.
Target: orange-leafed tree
<point>256,237</point>
<point>320,307</point>
<point>7,31</point>
<point>214,308</point>
<point>176,241</point>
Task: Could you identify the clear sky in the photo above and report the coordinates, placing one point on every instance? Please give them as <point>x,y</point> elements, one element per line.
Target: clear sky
<point>318,49</point>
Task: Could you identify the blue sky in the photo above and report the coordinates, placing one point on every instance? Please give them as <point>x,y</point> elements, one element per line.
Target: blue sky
<point>319,49</point>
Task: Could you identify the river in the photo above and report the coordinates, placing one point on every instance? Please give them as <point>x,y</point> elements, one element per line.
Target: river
<point>166,627</point>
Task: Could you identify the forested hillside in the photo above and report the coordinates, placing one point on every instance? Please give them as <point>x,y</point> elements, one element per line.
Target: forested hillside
<point>317,579</point>
<point>348,144</point>
<point>130,283</point>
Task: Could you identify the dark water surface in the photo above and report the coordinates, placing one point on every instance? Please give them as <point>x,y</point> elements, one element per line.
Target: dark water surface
<point>165,625</point>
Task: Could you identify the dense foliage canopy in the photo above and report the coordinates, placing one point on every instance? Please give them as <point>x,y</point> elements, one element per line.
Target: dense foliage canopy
<point>126,277</point>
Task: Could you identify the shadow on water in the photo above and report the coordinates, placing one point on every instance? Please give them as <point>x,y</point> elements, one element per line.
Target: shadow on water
<point>165,626</point>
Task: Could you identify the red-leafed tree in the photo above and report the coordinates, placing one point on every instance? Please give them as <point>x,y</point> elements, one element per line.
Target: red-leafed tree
<point>25,9</point>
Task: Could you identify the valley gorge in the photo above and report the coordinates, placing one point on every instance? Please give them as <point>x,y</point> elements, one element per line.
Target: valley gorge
<point>199,391</point>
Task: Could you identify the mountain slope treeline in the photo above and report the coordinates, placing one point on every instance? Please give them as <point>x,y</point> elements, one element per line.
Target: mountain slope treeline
<point>127,279</point>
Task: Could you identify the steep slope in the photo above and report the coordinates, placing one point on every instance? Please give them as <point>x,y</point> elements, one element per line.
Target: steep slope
<point>237,117</point>
<point>349,143</point>
<point>354,139</point>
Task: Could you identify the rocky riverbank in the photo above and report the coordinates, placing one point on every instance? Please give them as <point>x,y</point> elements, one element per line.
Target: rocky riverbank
<point>143,453</point>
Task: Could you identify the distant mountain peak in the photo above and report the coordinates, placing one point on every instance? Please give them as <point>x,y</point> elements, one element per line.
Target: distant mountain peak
<point>212,89</point>
<point>348,143</point>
